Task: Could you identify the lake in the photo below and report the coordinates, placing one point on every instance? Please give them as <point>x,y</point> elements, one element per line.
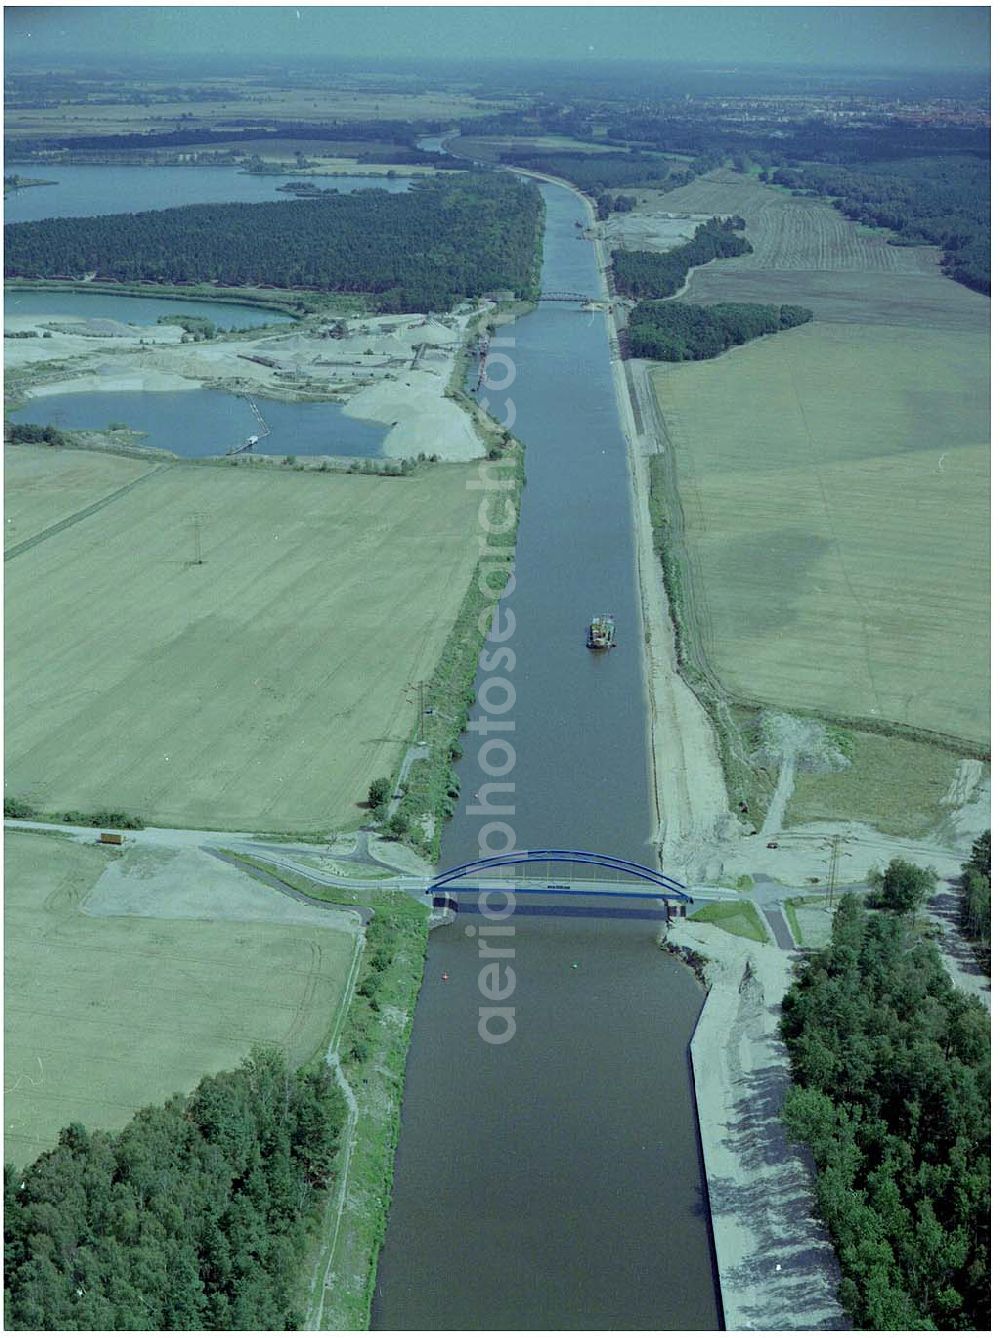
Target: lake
<point>84,190</point>
<point>136,310</point>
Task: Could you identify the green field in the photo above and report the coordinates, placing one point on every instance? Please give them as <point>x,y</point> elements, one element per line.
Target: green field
<point>834,484</point>
<point>105,1014</point>
<point>262,689</point>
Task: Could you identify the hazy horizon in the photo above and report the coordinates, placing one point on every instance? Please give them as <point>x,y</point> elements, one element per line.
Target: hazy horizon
<point>848,38</point>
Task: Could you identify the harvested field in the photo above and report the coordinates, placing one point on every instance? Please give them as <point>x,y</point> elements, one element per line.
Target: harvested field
<point>805,252</point>
<point>262,689</point>
<point>833,481</point>
<point>45,485</point>
<point>105,1015</point>
<point>791,232</point>
<point>858,299</point>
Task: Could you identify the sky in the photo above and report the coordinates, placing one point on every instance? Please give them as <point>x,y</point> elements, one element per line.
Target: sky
<point>830,36</point>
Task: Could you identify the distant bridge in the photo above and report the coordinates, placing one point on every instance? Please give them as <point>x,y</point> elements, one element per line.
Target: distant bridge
<point>568,297</point>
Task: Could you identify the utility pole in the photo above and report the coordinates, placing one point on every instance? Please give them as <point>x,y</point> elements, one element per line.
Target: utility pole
<point>421,689</point>
<point>196,520</point>
<point>834,861</point>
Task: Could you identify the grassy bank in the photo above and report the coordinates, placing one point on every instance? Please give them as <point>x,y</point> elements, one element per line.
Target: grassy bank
<point>667,520</point>
<point>372,1042</point>
<point>379,898</point>
<point>432,787</point>
<point>735,917</point>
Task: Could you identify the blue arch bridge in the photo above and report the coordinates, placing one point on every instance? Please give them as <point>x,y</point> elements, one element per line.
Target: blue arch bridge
<point>607,886</point>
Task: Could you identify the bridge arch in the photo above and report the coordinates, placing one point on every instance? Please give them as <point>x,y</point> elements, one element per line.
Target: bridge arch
<point>669,887</point>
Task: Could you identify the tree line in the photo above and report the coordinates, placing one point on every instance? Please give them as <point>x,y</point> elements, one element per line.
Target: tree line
<point>237,132</point>
<point>423,249</point>
<point>941,202</point>
<point>685,332</point>
<point>891,1074</point>
<point>596,172</point>
<point>652,274</point>
<point>194,1216</point>
<point>976,897</point>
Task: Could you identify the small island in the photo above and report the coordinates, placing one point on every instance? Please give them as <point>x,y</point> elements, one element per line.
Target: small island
<point>12,182</point>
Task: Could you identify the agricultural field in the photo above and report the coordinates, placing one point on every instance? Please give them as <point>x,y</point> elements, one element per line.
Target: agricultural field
<point>834,484</point>
<point>834,479</point>
<point>45,485</point>
<point>107,1012</point>
<point>790,232</point>
<point>805,253</point>
<point>262,688</point>
<point>249,99</point>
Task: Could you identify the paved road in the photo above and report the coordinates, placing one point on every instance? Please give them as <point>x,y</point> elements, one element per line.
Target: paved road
<point>779,927</point>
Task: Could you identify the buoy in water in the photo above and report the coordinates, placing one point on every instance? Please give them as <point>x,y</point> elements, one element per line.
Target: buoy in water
<point>576,966</point>
<point>444,975</point>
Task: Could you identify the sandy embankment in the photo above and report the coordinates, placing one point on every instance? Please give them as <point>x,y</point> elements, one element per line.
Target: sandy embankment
<point>420,418</point>
<point>689,790</point>
<point>777,1269</point>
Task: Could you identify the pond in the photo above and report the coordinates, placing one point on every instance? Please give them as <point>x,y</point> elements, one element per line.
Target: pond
<point>198,423</point>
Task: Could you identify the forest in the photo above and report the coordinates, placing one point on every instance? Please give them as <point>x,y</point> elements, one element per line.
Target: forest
<point>596,172</point>
<point>944,202</point>
<point>975,883</point>
<point>891,1092</point>
<point>652,274</point>
<point>423,249</point>
<point>194,1216</point>
<point>685,332</point>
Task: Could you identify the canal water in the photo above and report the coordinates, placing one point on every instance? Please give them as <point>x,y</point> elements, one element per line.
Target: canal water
<point>196,423</point>
<point>82,190</point>
<point>554,1182</point>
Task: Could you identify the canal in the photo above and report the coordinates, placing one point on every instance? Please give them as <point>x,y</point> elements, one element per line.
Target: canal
<point>554,1182</point>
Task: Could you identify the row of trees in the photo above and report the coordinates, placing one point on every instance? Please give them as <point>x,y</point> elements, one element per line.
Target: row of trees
<point>778,142</point>
<point>445,239</point>
<point>683,332</point>
<point>976,895</point>
<point>194,1216</point>
<point>651,274</point>
<point>890,1091</point>
<point>236,132</point>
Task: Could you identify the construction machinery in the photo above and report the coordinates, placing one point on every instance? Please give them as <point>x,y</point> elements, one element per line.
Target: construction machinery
<point>251,442</point>
<point>601,634</point>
